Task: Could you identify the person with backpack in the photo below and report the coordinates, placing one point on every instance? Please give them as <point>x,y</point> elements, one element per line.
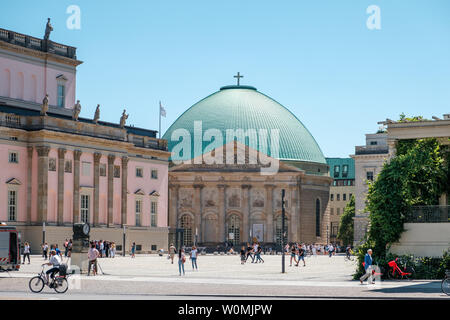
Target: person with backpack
<point>26,252</point>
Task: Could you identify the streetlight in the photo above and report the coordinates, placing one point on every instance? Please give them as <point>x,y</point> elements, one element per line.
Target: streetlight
<point>123,245</point>
<point>43,232</point>
<point>283,240</point>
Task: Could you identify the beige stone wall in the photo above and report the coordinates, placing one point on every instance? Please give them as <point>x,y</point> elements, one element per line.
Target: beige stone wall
<point>423,240</point>
<point>307,226</point>
<point>335,217</point>
<point>57,235</point>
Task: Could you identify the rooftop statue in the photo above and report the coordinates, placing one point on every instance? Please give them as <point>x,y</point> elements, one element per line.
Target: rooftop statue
<point>97,114</point>
<point>76,110</point>
<point>48,29</point>
<point>44,107</point>
<point>123,118</point>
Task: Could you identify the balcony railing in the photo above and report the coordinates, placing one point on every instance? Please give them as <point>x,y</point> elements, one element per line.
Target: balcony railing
<point>37,44</point>
<point>428,214</point>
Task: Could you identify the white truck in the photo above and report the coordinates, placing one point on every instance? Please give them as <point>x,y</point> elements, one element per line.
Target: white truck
<point>9,248</point>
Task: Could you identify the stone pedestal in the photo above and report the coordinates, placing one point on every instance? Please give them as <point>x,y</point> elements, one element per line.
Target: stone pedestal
<point>79,258</point>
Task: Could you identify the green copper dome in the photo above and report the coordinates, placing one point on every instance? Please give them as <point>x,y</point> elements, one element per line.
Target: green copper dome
<point>243,107</point>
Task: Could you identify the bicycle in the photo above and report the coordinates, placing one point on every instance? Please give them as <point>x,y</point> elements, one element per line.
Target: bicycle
<point>395,272</point>
<point>445,285</point>
<point>349,256</point>
<point>58,283</point>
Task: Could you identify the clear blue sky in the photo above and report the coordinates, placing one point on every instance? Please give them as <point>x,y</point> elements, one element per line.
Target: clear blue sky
<point>317,58</point>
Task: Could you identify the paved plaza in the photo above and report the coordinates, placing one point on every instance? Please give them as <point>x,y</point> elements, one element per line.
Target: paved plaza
<point>218,277</point>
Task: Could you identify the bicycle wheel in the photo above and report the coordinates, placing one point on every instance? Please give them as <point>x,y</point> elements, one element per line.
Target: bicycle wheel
<point>61,285</point>
<point>411,273</point>
<point>445,286</point>
<point>36,284</point>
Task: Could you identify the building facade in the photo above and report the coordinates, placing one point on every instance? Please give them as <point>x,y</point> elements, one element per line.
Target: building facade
<point>217,196</point>
<point>342,170</point>
<point>58,168</point>
<point>369,160</point>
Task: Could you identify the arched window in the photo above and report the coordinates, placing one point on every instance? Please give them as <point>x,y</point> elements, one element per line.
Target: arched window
<point>234,229</point>
<point>187,226</point>
<point>317,218</point>
<point>278,230</point>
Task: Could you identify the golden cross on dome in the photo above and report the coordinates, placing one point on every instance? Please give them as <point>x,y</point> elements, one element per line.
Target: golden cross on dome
<point>238,76</point>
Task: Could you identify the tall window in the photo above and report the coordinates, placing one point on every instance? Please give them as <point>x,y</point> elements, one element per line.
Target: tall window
<point>317,218</point>
<point>345,170</point>
<point>85,208</point>
<point>139,172</point>
<point>138,212</point>
<point>234,227</point>
<point>186,225</point>
<point>12,205</point>
<point>344,197</point>
<point>154,174</point>
<point>331,197</point>
<point>338,197</point>
<point>61,95</point>
<point>154,213</point>
<point>336,171</point>
<point>13,157</point>
<point>279,230</point>
<point>370,175</point>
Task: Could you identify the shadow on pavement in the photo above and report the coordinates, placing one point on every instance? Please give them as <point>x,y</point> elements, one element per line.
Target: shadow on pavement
<point>428,287</point>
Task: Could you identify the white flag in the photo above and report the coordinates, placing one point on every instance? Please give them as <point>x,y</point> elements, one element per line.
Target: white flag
<point>162,111</point>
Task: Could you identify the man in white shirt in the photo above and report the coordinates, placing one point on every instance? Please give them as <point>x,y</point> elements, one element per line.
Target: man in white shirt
<point>92,256</point>
<point>55,261</point>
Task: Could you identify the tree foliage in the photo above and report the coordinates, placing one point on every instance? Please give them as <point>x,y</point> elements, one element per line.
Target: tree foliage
<point>345,232</point>
<point>417,175</point>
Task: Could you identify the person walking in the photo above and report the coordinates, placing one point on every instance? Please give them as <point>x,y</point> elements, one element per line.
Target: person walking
<point>293,253</point>
<point>194,254</point>
<point>133,250</point>
<point>26,252</point>
<point>69,248</point>
<point>258,254</point>
<point>249,253</point>
<point>45,250</point>
<point>113,250</point>
<point>181,260</point>
<point>66,248</point>
<point>330,250</point>
<point>172,251</point>
<point>368,267</point>
<point>93,254</point>
<point>243,255</point>
<point>301,255</point>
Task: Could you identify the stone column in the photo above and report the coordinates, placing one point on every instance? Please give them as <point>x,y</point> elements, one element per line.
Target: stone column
<point>246,212</point>
<point>42,182</point>
<point>173,206</point>
<point>269,212</point>
<point>222,212</point>
<point>97,157</point>
<point>61,155</point>
<point>29,182</point>
<point>110,193</point>
<point>124,189</point>
<point>76,185</point>
<point>198,208</point>
<point>392,147</point>
<point>292,201</point>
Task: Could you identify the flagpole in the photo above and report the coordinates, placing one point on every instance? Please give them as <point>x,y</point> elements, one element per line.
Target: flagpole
<point>160,119</point>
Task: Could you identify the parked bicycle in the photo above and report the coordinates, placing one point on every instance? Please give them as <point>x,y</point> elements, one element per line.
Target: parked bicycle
<point>445,285</point>
<point>58,282</point>
<point>395,272</point>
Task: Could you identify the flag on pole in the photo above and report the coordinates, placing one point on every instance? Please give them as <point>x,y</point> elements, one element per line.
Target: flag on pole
<point>162,111</point>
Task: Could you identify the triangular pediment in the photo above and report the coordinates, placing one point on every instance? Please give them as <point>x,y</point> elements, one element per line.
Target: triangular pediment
<point>154,193</point>
<point>140,192</point>
<point>251,160</point>
<point>14,181</point>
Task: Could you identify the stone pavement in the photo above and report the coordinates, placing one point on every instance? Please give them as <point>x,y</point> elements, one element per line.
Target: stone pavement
<point>154,277</point>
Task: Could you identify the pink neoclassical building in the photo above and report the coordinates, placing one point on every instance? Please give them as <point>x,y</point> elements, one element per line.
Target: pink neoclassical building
<point>57,168</point>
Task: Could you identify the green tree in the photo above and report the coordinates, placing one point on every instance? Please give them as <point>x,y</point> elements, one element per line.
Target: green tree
<point>345,232</point>
<point>417,175</point>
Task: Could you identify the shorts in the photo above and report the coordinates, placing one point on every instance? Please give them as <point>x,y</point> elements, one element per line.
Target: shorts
<point>301,258</point>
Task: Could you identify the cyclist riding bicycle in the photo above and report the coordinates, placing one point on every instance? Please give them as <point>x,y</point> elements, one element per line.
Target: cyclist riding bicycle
<point>55,261</point>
